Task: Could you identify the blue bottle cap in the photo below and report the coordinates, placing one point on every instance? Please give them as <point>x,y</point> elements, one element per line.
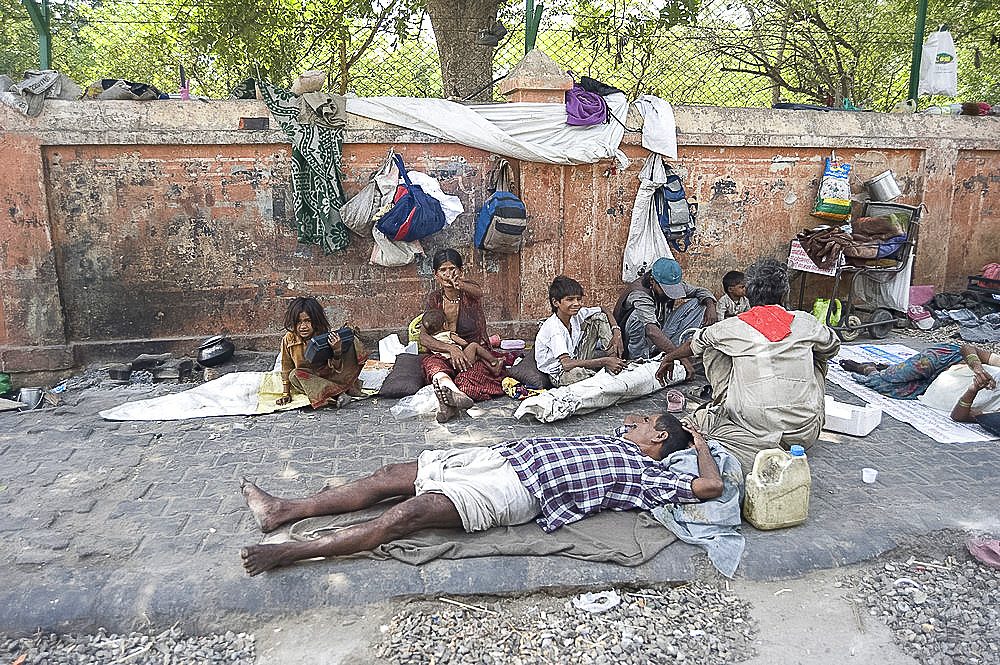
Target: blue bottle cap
<point>797,451</point>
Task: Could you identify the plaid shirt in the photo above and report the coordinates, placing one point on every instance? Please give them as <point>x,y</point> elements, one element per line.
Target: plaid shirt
<point>573,477</point>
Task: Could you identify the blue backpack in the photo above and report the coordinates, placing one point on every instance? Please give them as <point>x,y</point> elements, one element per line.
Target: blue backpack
<point>414,214</point>
<point>503,218</point>
<point>676,215</point>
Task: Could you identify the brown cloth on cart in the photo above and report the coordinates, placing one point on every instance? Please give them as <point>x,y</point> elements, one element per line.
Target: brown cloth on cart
<point>824,244</point>
<point>870,233</point>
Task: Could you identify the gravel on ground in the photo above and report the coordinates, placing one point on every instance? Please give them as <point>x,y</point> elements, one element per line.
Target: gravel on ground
<point>169,647</point>
<point>942,611</point>
<point>695,623</point>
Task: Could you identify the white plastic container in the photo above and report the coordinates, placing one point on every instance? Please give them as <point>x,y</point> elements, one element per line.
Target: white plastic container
<point>851,419</point>
<point>777,489</point>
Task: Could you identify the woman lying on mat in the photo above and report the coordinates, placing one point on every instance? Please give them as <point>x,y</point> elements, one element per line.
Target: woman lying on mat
<point>914,376</point>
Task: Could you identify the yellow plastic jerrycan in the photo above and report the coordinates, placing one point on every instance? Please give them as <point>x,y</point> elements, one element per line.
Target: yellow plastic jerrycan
<point>777,489</point>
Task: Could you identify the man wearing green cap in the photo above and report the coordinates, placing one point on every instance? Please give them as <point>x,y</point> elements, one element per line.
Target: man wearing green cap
<point>650,317</point>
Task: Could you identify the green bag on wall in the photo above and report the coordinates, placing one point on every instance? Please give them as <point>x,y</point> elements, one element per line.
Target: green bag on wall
<point>4,383</point>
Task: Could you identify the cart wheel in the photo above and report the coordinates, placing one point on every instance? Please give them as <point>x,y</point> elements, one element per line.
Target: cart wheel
<point>851,331</point>
<point>887,321</point>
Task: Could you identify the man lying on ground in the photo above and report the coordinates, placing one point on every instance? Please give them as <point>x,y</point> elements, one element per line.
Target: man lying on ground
<point>559,480</point>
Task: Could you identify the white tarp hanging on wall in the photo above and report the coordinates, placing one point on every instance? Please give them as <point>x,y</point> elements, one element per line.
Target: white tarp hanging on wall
<point>526,131</point>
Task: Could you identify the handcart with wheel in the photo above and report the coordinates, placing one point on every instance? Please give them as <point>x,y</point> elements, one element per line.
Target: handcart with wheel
<point>877,318</point>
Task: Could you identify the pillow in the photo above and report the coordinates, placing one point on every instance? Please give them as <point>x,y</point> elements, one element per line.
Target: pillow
<point>527,372</point>
<point>406,377</point>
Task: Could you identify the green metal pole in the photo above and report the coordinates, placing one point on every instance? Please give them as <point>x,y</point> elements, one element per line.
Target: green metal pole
<point>40,19</point>
<point>918,43</point>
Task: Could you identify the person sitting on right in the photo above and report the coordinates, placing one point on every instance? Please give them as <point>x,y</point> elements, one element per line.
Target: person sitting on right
<point>767,368</point>
<point>566,347</point>
<point>734,301</point>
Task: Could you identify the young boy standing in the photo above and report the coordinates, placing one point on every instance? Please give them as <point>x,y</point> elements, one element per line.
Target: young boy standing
<point>566,344</point>
<point>735,299</point>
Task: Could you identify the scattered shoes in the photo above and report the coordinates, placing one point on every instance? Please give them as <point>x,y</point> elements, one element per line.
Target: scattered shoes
<point>675,401</point>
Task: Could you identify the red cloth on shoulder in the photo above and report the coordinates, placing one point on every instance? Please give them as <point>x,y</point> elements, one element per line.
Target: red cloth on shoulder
<point>772,321</point>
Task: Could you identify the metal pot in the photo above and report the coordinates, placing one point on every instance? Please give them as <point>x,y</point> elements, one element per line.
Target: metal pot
<point>215,351</point>
<point>883,187</point>
<point>30,397</point>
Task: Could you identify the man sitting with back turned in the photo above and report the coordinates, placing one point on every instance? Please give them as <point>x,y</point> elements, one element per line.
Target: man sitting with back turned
<point>558,480</point>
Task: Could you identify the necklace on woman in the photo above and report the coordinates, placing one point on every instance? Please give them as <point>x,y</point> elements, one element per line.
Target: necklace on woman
<point>456,300</point>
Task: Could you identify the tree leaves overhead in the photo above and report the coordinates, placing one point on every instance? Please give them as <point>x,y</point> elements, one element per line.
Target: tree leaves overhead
<point>728,52</point>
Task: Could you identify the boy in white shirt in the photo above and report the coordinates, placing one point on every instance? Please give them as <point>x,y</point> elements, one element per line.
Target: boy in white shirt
<point>566,344</point>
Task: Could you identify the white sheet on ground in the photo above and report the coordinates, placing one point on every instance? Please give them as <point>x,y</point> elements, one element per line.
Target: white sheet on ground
<point>935,424</point>
<point>234,394</point>
<point>598,392</point>
<point>529,132</point>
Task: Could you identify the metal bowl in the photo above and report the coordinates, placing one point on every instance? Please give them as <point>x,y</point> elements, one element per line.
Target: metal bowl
<point>215,351</point>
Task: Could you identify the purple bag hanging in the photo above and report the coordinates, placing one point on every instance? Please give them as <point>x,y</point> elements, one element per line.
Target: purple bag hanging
<point>585,108</point>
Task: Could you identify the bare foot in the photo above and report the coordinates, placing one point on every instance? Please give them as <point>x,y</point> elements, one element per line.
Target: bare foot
<point>858,368</point>
<point>258,558</point>
<point>264,507</point>
<point>355,390</point>
<point>343,399</point>
<point>456,398</point>
<point>446,410</point>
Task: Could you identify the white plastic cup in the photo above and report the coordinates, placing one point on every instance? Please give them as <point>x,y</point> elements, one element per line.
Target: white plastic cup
<point>869,475</point>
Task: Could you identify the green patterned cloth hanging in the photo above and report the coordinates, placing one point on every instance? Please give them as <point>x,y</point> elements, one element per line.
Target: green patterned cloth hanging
<point>317,188</point>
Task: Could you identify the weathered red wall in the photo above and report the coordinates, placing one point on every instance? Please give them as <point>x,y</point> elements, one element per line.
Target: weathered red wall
<point>125,222</point>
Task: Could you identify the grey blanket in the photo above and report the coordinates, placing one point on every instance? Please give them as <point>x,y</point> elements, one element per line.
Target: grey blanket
<point>626,538</point>
<point>710,524</point>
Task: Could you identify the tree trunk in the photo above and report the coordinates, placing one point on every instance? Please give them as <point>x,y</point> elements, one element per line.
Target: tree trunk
<point>465,65</point>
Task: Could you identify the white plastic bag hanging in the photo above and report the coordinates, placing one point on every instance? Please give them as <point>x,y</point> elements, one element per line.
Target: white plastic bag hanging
<point>938,65</point>
<point>358,213</point>
<point>646,242</point>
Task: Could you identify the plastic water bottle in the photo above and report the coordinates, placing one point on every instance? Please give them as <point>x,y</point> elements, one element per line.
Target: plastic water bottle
<point>777,489</point>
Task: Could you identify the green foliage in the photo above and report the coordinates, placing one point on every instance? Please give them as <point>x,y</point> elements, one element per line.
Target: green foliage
<point>727,52</point>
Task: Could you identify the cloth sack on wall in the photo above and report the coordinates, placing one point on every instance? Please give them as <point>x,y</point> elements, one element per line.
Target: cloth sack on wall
<point>938,66</point>
<point>358,213</point>
<point>646,242</point>
<point>584,108</point>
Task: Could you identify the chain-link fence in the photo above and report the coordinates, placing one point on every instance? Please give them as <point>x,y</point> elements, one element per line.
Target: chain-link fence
<point>719,52</point>
<point>724,52</point>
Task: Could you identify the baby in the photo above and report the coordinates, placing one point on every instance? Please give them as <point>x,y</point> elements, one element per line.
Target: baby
<point>433,322</point>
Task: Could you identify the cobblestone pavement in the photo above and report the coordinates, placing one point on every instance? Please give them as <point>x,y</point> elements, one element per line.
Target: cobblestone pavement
<point>139,524</point>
